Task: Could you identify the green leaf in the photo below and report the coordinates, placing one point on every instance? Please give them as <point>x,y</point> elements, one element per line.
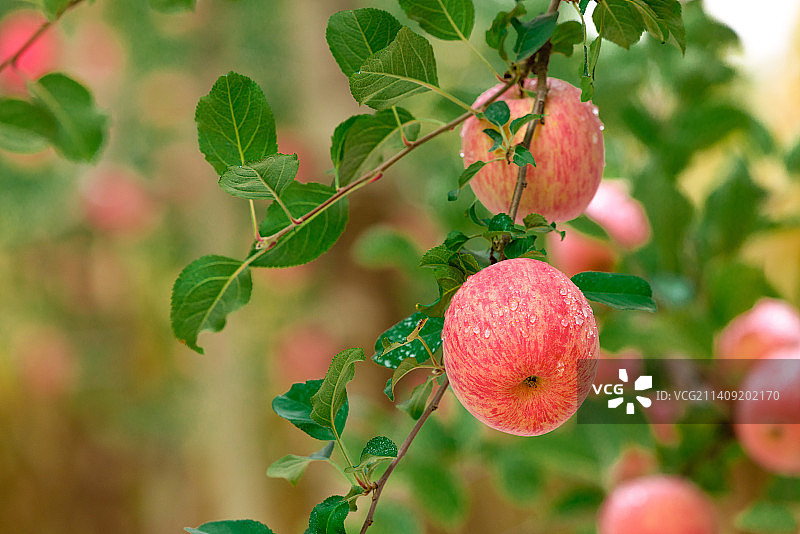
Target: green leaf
<point>582,5</point>
<point>591,55</point>
<point>465,177</point>
<point>379,446</point>
<point>354,36</point>
<point>767,518</point>
<point>205,292</point>
<point>784,489</point>
<point>523,247</point>
<point>533,34</point>
<point>792,159</point>
<point>25,127</point>
<point>332,394</point>
<point>431,333</point>
<point>621,291</point>
<point>171,6</point>
<point>308,241</point>
<point>565,36</point>
<point>497,113</point>
<point>416,404</point>
<point>449,277</point>
<point>366,137</point>
<point>295,406</point>
<point>618,21</point>
<point>497,33</point>
<point>402,69</point>
<point>54,8</point>
<point>328,516</point>
<point>587,226</point>
<point>496,137</point>
<point>450,20</point>
<point>523,156</point>
<point>235,125</point>
<point>80,127</point>
<point>265,179</point>
<point>405,367</point>
<point>338,138</point>
<point>519,122</point>
<point>669,13</point>
<point>501,223</point>
<point>240,526</point>
<point>455,240</point>
<point>291,467</point>
<point>537,223</point>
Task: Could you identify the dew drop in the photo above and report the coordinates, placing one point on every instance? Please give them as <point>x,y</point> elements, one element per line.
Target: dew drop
<point>487,333</point>
<point>461,154</point>
<point>595,111</point>
<point>513,305</point>
<point>578,320</point>
<point>602,127</point>
<point>532,319</point>
<point>564,322</point>
<point>476,330</point>
<point>563,291</point>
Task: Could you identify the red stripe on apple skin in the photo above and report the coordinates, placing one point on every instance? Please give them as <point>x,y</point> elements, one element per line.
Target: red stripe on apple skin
<point>513,336</point>
<point>568,150</point>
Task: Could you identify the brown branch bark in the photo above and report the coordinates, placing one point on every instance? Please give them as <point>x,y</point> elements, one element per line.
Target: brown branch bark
<point>11,61</point>
<point>376,492</point>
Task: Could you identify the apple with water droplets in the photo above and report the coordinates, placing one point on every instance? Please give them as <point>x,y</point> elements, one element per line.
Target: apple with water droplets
<point>568,150</point>
<point>520,346</point>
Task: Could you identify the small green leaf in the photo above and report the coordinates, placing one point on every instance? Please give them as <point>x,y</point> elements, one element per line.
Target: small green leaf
<point>406,366</point>
<point>328,516</point>
<point>455,240</point>
<point>332,394</point>
<point>451,269</point>
<point>537,223</point>
<point>496,137</point>
<point>465,177</point>
<point>80,127</point>
<point>366,138</point>
<point>591,55</point>
<point>519,122</point>
<point>235,125</point>
<point>765,517</point>
<point>582,5</point>
<point>291,467</point>
<point>54,8</point>
<point>308,241</point>
<point>533,34</point>
<point>618,21</point>
<point>523,156</point>
<point>203,295</point>
<point>295,406</point>
<point>379,446</point>
<point>416,404</point>
<point>523,247</point>
<point>566,36</point>
<point>671,21</point>
<point>338,138</point>
<point>587,226</point>
<point>496,35</point>
<point>497,113</point>
<point>404,68</point>
<point>354,36</point>
<point>172,6</point>
<point>431,332</point>
<point>621,291</point>
<point>266,179</point>
<point>239,526</point>
<point>450,20</point>
<point>25,127</point>
<point>501,223</point>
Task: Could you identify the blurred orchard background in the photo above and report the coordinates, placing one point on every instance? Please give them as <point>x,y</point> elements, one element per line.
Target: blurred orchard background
<point>108,424</point>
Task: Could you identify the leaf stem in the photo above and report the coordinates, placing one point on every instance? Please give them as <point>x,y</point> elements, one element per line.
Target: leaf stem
<point>376,492</point>
<point>254,220</point>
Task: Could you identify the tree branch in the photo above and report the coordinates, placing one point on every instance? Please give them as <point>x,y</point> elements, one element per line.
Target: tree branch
<point>12,61</point>
<point>376,492</point>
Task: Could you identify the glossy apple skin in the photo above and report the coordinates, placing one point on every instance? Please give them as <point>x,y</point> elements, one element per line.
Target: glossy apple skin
<point>513,321</point>
<point>657,504</point>
<point>774,446</point>
<point>568,150</point>
<point>40,58</point>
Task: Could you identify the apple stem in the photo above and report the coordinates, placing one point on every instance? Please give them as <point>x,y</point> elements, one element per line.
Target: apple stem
<point>378,488</point>
<point>12,60</point>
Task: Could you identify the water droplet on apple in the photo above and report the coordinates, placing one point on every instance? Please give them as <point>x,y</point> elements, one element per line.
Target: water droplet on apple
<point>487,333</point>
<point>563,291</point>
<point>564,322</point>
<point>602,127</point>
<point>461,154</point>
<point>578,320</point>
<point>532,319</point>
<point>476,330</point>
<point>595,111</point>
<point>514,304</point>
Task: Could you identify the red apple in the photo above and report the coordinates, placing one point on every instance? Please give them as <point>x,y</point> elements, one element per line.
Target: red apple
<point>622,217</point>
<point>633,462</point>
<point>769,325</point>
<point>39,58</point>
<point>657,504</point>
<point>116,201</point>
<point>304,352</point>
<point>568,149</point>
<point>514,335</point>
<point>764,425</point>
<point>577,253</point>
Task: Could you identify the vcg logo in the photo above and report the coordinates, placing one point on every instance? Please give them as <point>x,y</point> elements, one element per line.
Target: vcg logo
<point>642,383</point>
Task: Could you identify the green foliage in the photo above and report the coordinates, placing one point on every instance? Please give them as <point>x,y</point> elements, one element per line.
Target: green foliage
<point>621,291</point>
<point>235,125</point>
<point>266,179</point>
<point>446,19</point>
<point>361,139</point>
<point>332,395</point>
<point>25,128</point>
<point>402,69</point>
<point>764,517</point>
<point>64,113</point>
<point>397,343</point>
<point>623,21</point>
<point>377,451</point>
<point>565,36</point>
<point>291,467</point>
<point>451,269</point>
<point>416,403</point>
<point>54,8</point>
<point>303,242</point>
<point>496,35</point>
<point>464,178</point>
<point>296,406</point>
<point>206,291</point>
<point>171,6</point>
<point>244,526</point>
<point>328,516</point>
<point>533,34</point>
<point>354,36</point>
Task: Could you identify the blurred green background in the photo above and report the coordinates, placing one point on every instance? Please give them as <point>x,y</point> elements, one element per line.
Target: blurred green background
<point>107,424</point>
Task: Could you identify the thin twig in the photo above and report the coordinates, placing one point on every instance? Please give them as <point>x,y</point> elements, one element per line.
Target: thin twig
<point>12,61</point>
<point>378,488</point>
